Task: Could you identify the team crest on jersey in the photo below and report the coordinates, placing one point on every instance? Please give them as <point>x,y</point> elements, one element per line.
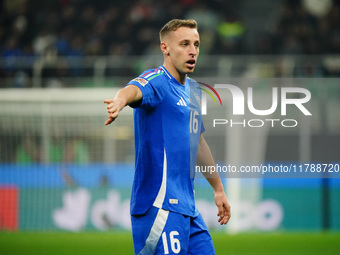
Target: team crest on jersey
<point>141,81</point>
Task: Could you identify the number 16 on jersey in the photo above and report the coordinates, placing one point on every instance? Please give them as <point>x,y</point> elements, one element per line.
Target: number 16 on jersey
<point>193,122</point>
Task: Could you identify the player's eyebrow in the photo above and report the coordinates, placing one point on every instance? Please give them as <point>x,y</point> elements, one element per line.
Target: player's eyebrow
<point>184,40</point>
<point>189,41</point>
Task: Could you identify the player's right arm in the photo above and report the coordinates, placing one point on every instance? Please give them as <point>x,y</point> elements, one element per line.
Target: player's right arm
<point>125,96</point>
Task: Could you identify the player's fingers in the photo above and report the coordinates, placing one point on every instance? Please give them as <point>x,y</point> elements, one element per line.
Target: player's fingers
<point>225,220</point>
<point>107,101</point>
<point>112,117</point>
<point>114,103</point>
<point>110,105</point>
<point>113,114</point>
<point>113,107</point>
<point>109,121</point>
<point>222,220</point>
<point>224,214</point>
<point>220,212</point>
<point>227,215</point>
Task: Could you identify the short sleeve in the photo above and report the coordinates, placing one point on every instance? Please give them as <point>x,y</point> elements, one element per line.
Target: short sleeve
<point>151,90</point>
<point>202,128</point>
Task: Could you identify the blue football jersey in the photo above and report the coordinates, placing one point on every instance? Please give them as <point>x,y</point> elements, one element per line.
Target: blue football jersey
<point>168,124</point>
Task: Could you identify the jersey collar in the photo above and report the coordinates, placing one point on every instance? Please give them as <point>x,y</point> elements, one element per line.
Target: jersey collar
<point>172,78</point>
<point>166,72</point>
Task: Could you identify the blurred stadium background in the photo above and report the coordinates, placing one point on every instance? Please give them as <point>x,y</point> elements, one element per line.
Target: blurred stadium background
<point>62,170</point>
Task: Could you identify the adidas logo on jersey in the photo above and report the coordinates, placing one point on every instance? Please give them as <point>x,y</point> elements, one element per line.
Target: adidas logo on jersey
<point>181,102</point>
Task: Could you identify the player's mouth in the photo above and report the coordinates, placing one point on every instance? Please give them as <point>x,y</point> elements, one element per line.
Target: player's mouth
<point>191,63</point>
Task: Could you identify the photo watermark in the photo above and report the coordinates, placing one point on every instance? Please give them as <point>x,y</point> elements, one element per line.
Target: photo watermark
<point>271,128</point>
<point>240,101</point>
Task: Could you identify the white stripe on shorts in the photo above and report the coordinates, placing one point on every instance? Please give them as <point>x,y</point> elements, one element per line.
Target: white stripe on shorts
<point>155,233</point>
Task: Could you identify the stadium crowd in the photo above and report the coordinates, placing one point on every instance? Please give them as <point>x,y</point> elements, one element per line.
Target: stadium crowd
<point>304,29</point>
<point>82,27</point>
<point>78,28</point>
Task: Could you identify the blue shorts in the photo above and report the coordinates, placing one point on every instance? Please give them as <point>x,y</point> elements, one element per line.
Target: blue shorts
<point>162,232</point>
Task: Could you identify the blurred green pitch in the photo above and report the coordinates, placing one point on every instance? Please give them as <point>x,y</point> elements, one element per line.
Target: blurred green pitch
<point>120,243</point>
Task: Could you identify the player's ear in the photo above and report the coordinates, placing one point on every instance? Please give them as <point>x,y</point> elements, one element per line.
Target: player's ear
<point>164,48</point>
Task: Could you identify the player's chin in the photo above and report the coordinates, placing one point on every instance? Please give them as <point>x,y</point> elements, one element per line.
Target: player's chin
<point>190,70</point>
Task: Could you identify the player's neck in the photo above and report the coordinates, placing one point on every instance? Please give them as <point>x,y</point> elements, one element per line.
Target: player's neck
<point>180,77</point>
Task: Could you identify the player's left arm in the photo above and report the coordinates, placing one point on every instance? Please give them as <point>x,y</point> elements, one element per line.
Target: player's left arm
<point>205,158</point>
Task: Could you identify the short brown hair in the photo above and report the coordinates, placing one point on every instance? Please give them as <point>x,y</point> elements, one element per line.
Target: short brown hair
<point>175,24</point>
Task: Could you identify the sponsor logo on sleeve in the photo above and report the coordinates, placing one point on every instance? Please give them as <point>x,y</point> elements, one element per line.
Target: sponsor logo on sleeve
<point>141,81</point>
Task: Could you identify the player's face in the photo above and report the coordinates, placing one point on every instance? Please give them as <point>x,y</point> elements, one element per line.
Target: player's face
<point>183,49</point>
